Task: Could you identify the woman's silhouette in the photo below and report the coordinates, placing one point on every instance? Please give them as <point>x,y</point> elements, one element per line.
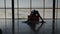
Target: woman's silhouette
<point>34,16</point>
<point>33,19</point>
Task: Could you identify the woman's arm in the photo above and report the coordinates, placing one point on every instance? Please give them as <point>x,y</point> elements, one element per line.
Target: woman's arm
<point>39,15</point>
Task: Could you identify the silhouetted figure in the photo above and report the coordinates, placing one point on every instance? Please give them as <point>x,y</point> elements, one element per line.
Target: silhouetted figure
<point>0,31</point>
<point>36,13</point>
<point>33,19</point>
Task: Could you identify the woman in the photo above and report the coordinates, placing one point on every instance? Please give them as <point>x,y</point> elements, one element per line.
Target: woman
<point>33,19</point>
<point>34,16</point>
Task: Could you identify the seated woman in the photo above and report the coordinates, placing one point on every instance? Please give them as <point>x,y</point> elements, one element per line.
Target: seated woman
<point>34,16</point>
<point>33,19</point>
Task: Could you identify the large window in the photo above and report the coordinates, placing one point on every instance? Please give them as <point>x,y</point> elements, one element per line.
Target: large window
<point>22,9</point>
<point>27,4</point>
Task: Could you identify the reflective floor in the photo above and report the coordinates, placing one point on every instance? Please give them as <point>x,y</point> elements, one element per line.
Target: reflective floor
<point>23,28</point>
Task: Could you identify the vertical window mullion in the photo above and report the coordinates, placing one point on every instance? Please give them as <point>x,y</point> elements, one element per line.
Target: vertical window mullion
<point>56,16</point>
<point>18,15</point>
<point>13,21</point>
<point>30,5</point>
<point>53,21</point>
<point>43,13</point>
<point>5,16</point>
<point>43,9</point>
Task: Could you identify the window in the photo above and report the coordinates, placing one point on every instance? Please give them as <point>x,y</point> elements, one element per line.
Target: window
<point>23,8</point>
<point>8,13</point>
<point>48,13</point>
<point>1,3</point>
<point>48,3</point>
<point>2,13</point>
<point>37,3</point>
<point>24,3</point>
<point>8,3</point>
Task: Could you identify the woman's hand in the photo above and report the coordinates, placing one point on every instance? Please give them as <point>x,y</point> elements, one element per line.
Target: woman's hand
<point>43,21</point>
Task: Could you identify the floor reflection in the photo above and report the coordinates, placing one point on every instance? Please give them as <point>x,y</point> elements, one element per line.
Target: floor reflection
<point>33,25</point>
